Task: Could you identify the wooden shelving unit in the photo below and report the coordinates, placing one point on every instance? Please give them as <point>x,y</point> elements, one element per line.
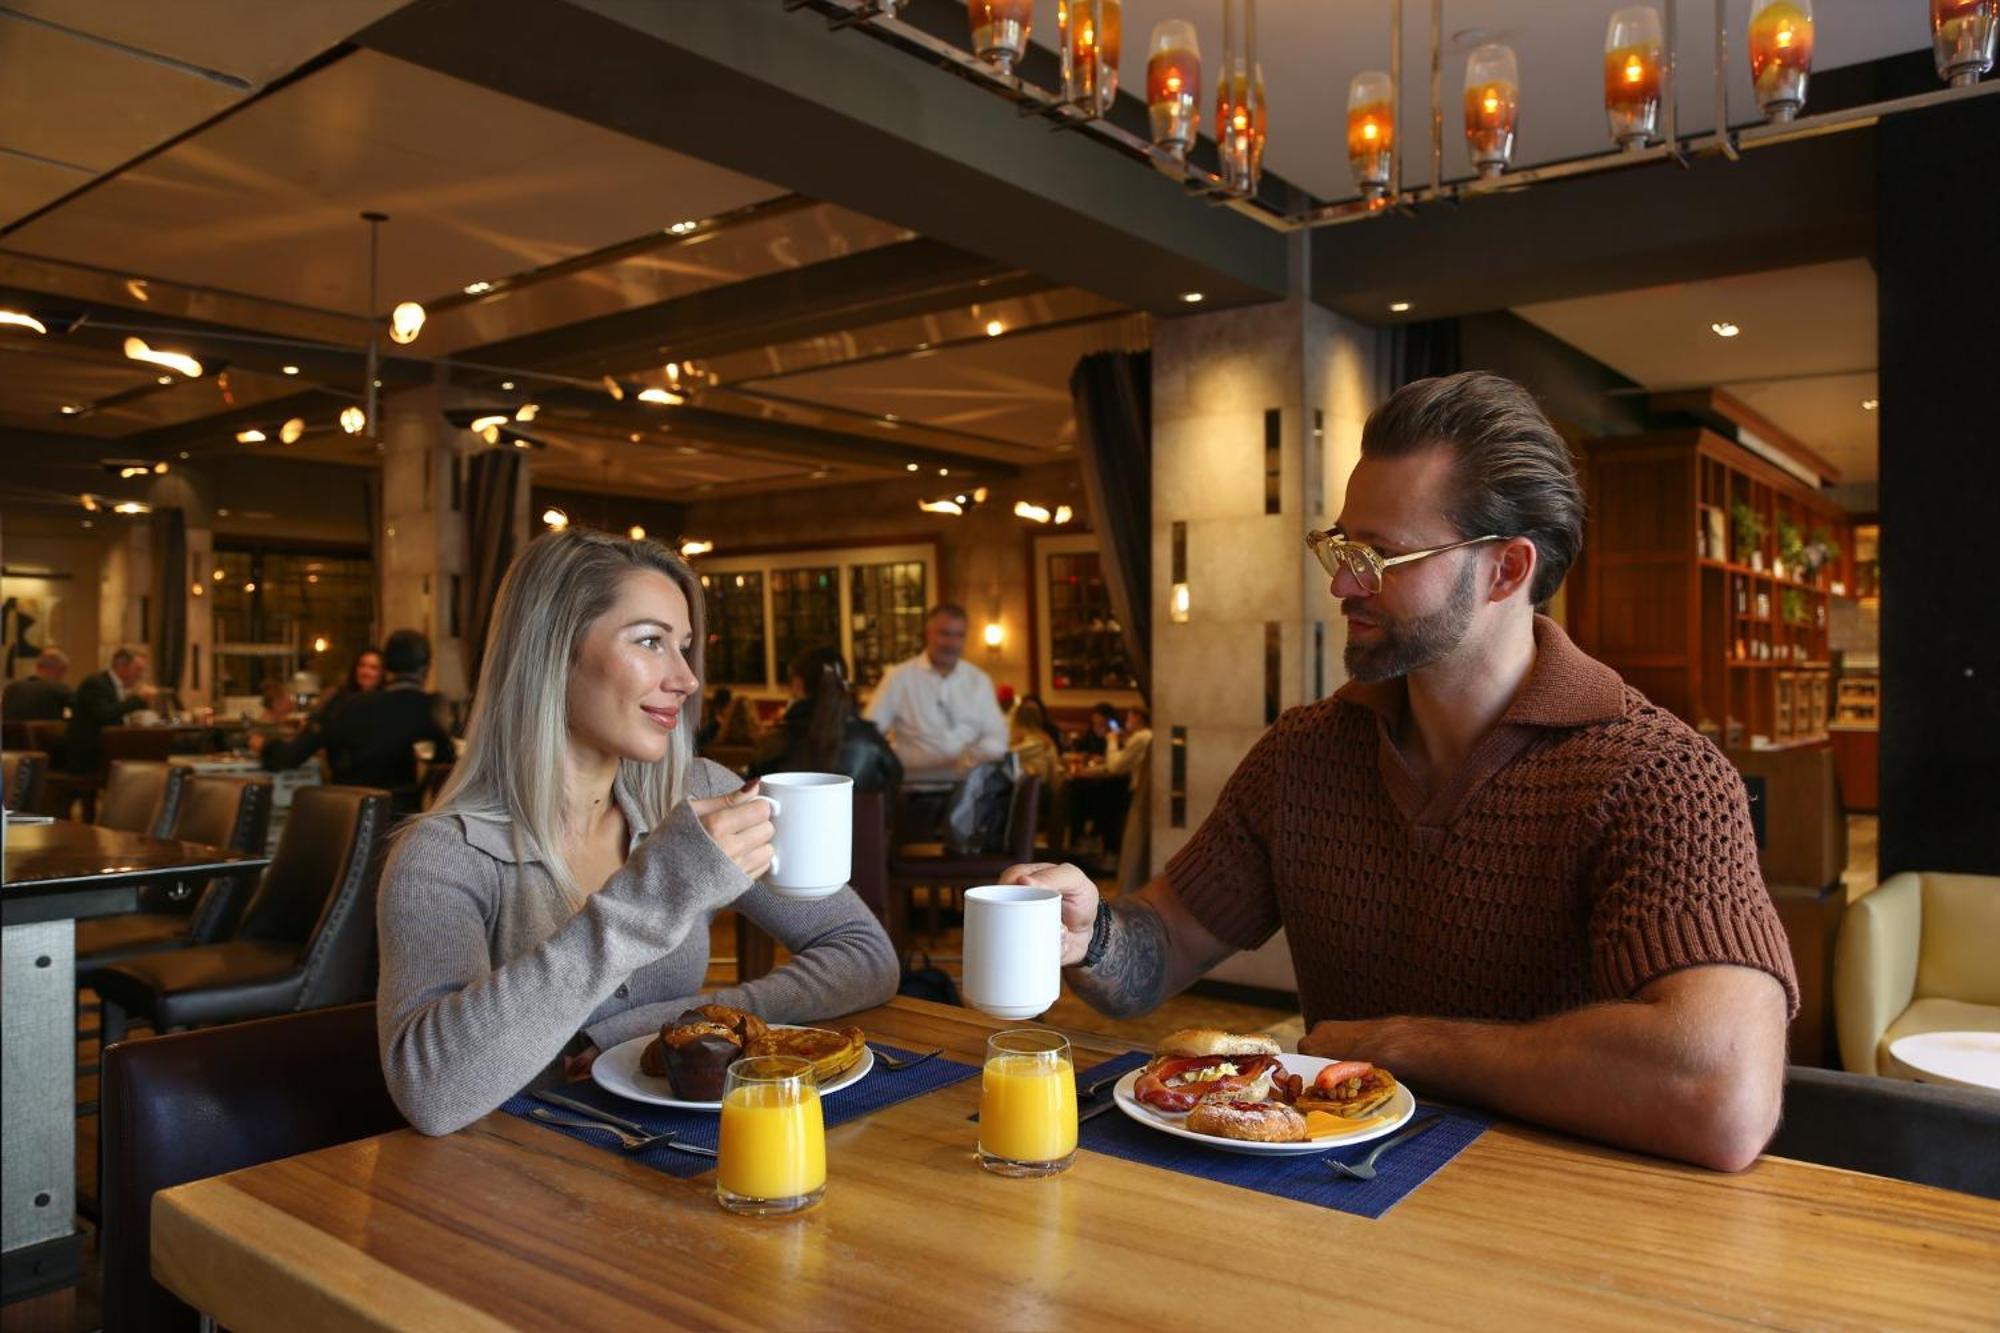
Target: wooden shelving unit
<point>1690,594</point>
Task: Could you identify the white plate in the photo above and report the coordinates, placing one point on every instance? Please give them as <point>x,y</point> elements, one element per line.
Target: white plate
<point>617,1070</point>
<point>1399,1109</point>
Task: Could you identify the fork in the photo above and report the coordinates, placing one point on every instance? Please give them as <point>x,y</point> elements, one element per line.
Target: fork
<point>896,1063</point>
<point>631,1142</point>
<point>1365,1168</point>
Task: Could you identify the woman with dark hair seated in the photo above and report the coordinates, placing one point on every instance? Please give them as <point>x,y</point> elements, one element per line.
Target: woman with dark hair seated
<point>821,732</point>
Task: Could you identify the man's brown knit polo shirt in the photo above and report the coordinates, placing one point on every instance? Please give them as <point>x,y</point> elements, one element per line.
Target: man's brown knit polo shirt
<point>1591,843</point>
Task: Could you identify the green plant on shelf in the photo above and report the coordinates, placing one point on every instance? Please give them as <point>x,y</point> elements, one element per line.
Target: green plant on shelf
<point>1794,604</point>
<point>1791,543</point>
<point>1819,553</point>
<point>1749,530</point>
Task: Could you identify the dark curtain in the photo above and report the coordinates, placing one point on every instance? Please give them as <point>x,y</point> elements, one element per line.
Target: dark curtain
<point>1113,394</point>
<point>170,595</point>
<point>492,487</point>
<point>1422,350</point>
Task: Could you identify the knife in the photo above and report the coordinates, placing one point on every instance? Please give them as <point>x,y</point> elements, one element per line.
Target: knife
<point>586,1109</point>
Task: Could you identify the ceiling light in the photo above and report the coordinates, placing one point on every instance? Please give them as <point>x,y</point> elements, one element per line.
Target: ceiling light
<point>160,468</point>
<point>907,467</point>
<point>940,507</point>
<point>132,507</point>
<point>944,472</point>
<point>250,436</point>
<point>21,319</point>
<point>556,519</point>
<point>527,411</point>
<point>196,590</point>
<point>406,321</point>
<point>136,349</point>
<point>507,386</point>
<point>1722,328</point>
<point>695,546</point>
<point>292,430</point>
<point>137,287</point>
<point>1192,298</point>
<point>636,533</point>
<point>185,455</point>
<point>289,370</point>
<point>219,575</point>
<point>1064,514</point>
<point>1870,404</point>
<point>491,435</point>
<point>319,643</point>
<point>1034,513</point>
<point>250,587</point>
<point>478,288</point>
<point>312,578</point>
<point>89,503</point>
<point>660,396</point>
<point>135,470</point>
<point>994,328</point>
<point>480,425</point>
<point>353,420</point>
<point>979,496</point>
<point>682,228</point>
<point>70,409</point>
<point>1398,307</point>
<point>165,379</point>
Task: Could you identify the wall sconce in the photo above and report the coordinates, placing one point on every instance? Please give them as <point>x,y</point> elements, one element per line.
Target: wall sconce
<point>1173,85</point>
<point>636,533</point>
<point>994,635</point>
<point>1962,37</point>
<point>1371,131</point>
<point>320,644</point>
<point>1492,105</point>
<point>1177,609</point>
<point>1633,65</point>
<point>1090,33</point>
<point>1781,42</point>
<point>196,590</point>
<point>1000,30</point>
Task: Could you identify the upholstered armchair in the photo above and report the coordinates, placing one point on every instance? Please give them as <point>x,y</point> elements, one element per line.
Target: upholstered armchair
<point>1919,954</point>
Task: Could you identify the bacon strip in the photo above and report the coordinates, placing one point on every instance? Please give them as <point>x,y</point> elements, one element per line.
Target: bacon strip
<point>1158,1086</point>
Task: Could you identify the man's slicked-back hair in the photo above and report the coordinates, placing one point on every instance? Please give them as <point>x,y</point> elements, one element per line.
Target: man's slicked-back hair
<point>1512,475</point>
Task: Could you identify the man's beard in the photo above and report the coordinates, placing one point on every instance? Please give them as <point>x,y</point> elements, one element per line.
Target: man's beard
<point>1417,641</point>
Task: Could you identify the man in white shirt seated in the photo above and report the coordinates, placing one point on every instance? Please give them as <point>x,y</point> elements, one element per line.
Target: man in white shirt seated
<point>939,711</point>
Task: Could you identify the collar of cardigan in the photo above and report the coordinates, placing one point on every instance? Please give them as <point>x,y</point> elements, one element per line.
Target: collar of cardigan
<point>1566,687</point>
<point>495,837</point>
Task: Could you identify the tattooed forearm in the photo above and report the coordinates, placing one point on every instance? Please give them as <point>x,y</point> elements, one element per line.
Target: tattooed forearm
<point>1131,977</point>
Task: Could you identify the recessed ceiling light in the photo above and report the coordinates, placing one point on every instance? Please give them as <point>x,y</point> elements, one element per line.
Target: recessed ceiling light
<point>1724,329</point>
<point>478,288</point>
<point>1870,404</point>
<point>289,370</point>
<point>506,385</point>
<point>69,409</point>
<point>21,319</point>
<point>164,379</point>
<point>682,228</point>
<point>907,467</point>
<point>994,328</point>
<point>1192,298</point>
<point>1398,307</point>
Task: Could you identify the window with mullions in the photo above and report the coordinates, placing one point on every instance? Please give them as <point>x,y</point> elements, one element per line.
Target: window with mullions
<point>1086,642</point>
<point>734,604</point>
<point>805,611</point>
<point>888,602</point>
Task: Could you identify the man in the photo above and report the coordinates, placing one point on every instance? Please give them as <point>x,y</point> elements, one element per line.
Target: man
<point>940,712</point>
<point>104,700</point>
<point>368,736</point>
<point>1103,731</point>
<point>42,697</point>
<point>1504,875</point>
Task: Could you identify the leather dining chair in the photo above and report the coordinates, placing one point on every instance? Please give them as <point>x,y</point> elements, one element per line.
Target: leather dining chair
<point>196,1104</point>
<point>228,812</point>
<point>307,938</point>
<point>141,796</point>
<point>63,788</point>
<point>1922,1132</point>
<point>22,775</point>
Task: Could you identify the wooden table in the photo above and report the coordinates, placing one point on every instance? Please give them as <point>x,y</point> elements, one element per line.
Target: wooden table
<point>507,1224</point>
<point>51,876</point>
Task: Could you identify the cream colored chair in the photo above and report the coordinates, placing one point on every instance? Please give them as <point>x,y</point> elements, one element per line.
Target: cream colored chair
<point>1919,954</point>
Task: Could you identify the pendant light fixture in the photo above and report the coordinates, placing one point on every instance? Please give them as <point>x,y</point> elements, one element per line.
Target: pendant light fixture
<point>1371,131</point>
<point>1173,85</point>
<point>1781,43</point>
<point>1492,107</point>
<point>1634,60</point>
<point>1962,38</point>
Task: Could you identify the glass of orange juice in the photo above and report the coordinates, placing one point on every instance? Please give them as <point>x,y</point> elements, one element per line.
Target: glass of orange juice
<point>773,1149</point>
<point>1027,1104</point>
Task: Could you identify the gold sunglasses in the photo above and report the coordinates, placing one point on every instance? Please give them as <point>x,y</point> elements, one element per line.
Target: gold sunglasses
<point>1338,553</point>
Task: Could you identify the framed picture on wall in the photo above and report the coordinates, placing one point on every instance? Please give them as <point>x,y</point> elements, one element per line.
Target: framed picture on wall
<point>1080,652</point>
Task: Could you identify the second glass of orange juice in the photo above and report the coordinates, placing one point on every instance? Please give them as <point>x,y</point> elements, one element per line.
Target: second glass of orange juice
<point>773,1150</point>
<point>1027,1104</point>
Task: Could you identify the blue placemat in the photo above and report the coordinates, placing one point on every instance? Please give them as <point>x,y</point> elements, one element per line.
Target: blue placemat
<point>1402,1168</point>
<point>883,1087</point>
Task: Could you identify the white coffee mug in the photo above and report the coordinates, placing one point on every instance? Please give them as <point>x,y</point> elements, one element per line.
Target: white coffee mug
<point>1013,949</point>
<point>813,850</point>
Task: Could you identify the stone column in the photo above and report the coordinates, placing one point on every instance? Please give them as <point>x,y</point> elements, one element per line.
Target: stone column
<point>1257,416</point>
<point>421,547</point>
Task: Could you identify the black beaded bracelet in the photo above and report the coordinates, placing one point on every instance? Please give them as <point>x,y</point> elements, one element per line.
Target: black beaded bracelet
<point>1100,937</point>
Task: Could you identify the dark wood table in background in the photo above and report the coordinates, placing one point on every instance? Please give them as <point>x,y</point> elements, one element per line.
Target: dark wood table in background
<point>51,876</point>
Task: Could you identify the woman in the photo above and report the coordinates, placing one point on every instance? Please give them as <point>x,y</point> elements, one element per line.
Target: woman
<point>556,901</point>
<point>1028,736</point>
<point>363,676</point>
<point>820,731</point>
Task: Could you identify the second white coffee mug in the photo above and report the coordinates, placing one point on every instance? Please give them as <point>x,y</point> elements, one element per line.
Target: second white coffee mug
<point>1013,949</point>
<point>814,845</point>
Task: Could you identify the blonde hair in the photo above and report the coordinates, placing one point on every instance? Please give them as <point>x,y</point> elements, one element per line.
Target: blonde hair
<point>511,771</point>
